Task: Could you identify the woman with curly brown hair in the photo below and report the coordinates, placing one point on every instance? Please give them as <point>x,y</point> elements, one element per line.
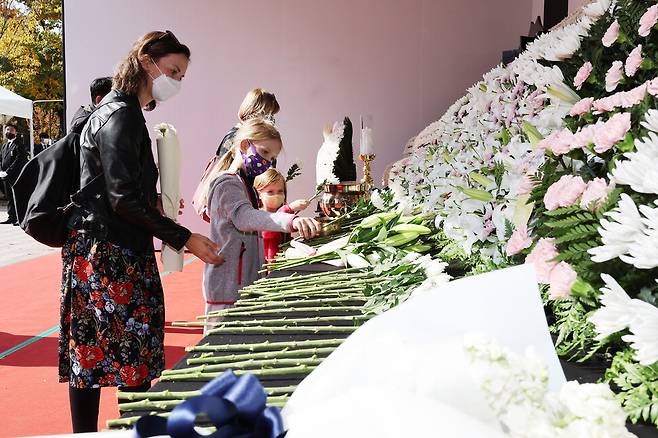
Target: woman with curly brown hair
<point>112,303</point>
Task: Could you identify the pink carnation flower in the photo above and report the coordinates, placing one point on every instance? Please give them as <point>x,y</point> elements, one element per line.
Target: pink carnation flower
<point>613,76</point>
<point>561,279</point>
<point>581,107</point>
<point>542,256</point>
<point>611,132</point>
<point>525,186</point>
<point>545,143</point>
<point>611,34</point>
<point>652,87</point>
<point>582,75</point>
<point>563,142</point>
<point>648,20</point>
<point>605,104</point>
<point>595,193</point>
<point>584,137</point>
<point>564,192</point>
<point>633,97</point>
<point>633,61</point>
<point>519,241</point>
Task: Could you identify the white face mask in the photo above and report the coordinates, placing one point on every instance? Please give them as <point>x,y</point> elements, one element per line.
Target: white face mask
<point>272,202</point>
<point>164,87</point>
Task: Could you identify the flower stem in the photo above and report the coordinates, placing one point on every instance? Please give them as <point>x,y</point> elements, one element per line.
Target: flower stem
<point>166,405</point>
<point>298,370</point>
<point>247,364</point>
<point>245,312</point>
<point>266,346</point>
<point>283,329</point>
<point>274,322</point>
<point>263,355</point>
<point>292,303</point>
<point>177,395</point>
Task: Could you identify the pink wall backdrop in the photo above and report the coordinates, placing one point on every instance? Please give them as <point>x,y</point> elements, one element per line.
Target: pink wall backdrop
<point>403,61</point>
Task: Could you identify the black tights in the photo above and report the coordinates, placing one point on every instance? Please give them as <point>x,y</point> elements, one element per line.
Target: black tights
<point>85,402</point>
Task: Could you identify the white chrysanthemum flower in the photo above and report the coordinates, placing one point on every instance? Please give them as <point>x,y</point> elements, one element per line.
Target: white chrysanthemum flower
<point>161,128</point>
<point>651,120</point>
<point>644,332</point>
<point>597,9</point>
<point>639,169</point>
<point>619,312</point>
<point>619,233</point>
<point>613,316</point>
<point>377,200</point>
<point>643,252</point>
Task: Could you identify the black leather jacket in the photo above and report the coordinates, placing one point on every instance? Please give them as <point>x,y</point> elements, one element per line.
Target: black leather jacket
<point>115,143</point>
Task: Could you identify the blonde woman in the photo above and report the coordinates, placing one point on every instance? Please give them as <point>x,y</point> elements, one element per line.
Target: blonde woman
<point>258,103</point>
<point>236,221</point>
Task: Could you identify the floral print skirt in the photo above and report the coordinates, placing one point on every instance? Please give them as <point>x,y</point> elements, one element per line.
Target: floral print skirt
<point>112,315</point>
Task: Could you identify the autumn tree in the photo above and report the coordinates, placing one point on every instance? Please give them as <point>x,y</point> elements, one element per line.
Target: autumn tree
<point>31,58</point>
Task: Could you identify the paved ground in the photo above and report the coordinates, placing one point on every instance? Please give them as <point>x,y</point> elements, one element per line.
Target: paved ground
<point>15,245</point>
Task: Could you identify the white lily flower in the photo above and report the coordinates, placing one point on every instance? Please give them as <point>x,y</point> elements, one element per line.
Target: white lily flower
<point>356,261</point>
<point>614,314</point>
<point>563,93</point>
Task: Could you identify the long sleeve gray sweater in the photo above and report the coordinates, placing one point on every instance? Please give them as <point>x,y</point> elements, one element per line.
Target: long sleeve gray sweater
<point>235,226</point>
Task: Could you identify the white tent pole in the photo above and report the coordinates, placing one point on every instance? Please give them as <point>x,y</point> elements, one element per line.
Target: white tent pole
<point>32,134</point>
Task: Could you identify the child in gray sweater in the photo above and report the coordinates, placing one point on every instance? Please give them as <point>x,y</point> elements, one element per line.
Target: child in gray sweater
<point>236,221</point>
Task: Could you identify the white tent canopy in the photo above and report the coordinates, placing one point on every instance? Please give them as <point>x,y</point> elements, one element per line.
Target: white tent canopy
<point>11,104</point>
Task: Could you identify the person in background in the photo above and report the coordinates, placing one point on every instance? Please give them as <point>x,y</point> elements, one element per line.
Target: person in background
<point>13,157</point>
<point>235,220</point>
<point>258,103</point>
<point>272,193</point>
<point>98,89</point>
<point>112,310</point>
<point>44,142</point>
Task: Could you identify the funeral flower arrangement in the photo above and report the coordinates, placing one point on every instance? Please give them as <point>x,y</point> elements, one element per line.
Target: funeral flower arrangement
<point>550,160</point>
<point>553,160</point>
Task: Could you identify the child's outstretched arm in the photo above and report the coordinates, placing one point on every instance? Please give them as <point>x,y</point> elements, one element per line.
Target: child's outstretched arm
<point>230,199</point>
<point>298,205</point>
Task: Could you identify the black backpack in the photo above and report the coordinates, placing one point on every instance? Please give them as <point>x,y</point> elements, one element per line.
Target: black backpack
<point>43,191</point>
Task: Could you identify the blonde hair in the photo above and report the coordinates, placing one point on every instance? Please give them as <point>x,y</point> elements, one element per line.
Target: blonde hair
<point>270,176</point>
<point>258,103</point>
<point>252,130</point>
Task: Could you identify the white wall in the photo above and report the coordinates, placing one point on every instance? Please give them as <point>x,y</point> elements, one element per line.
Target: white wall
<point>404,61</point>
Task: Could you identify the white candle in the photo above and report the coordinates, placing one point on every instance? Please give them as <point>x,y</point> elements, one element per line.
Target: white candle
<point>367,144</point>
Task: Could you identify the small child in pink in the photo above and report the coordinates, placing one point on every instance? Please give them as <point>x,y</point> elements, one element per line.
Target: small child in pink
<point>272,191</point>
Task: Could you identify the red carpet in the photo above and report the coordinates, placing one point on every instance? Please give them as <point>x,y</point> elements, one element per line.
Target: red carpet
<point>31,399</point>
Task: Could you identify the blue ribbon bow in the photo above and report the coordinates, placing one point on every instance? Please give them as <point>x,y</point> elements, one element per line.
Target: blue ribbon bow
<point>235,406</point>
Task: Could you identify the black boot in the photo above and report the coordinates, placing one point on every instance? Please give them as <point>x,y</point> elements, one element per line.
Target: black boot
<point>84,408</point>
